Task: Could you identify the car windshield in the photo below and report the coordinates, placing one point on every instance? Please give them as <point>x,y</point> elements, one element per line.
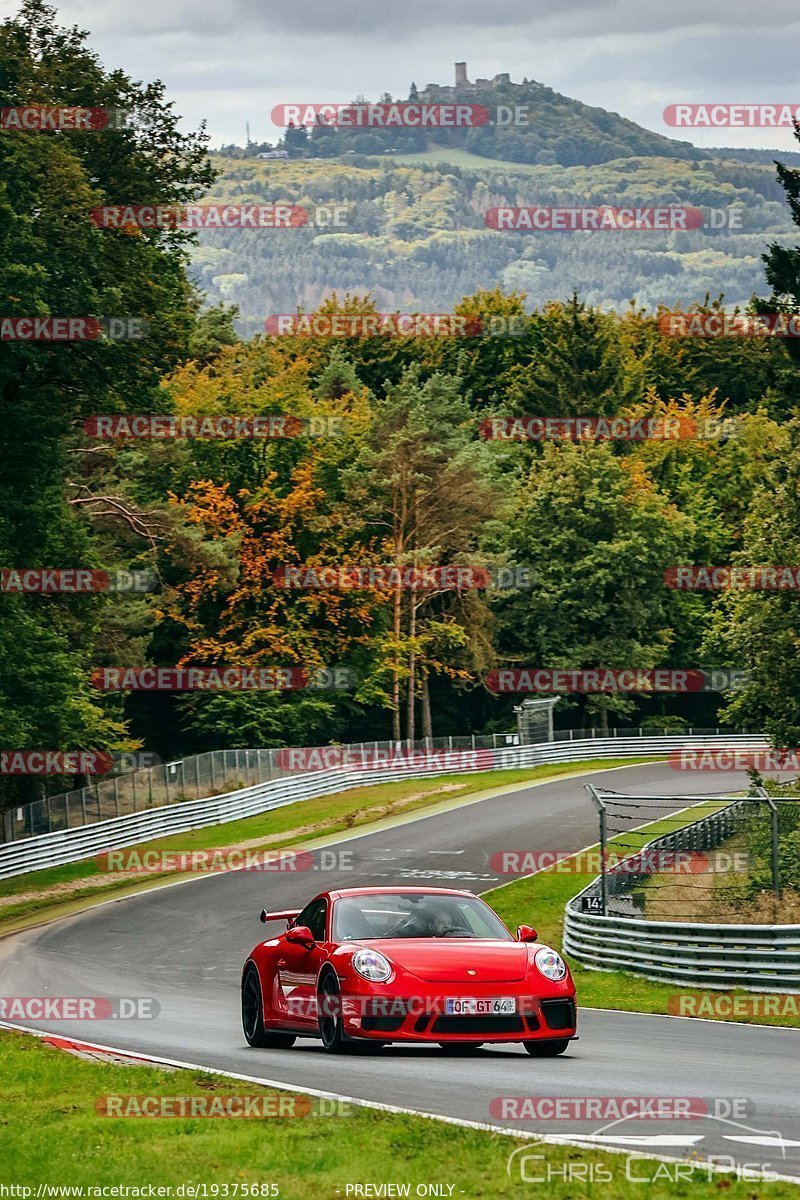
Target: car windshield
<point>414,915</point>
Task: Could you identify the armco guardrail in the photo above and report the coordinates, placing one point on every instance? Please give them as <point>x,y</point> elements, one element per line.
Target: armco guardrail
<point>752,957</point>
<point>72,845</point>
<point>195,777</point>
<point>220,771</point>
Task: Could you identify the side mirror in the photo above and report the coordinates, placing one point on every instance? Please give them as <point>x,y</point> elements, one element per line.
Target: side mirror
<point>526,933</point>
<point>301,935</point>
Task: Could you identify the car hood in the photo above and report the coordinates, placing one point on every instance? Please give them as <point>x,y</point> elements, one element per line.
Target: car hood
<point>445,960</point>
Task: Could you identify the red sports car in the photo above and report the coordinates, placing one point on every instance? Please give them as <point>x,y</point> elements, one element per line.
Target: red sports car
<point>418,964</point>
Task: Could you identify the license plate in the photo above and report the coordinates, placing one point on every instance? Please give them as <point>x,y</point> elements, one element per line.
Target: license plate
<point>460,1006</point>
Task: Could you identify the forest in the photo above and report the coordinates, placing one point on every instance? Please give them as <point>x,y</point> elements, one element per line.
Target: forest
<point>402,473</point>
<point>411,231</point>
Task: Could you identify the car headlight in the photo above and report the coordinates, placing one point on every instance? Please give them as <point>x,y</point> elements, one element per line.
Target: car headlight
<point>372,965</point>
<point>551,964</point>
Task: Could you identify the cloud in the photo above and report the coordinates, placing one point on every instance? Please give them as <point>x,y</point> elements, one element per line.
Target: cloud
<point>315,20</point>
<point>231,61</point>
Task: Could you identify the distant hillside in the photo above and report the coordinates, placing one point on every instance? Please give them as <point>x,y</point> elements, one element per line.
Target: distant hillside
<point>417,239</point>
<point>559,130</point>
<point>790,158</point>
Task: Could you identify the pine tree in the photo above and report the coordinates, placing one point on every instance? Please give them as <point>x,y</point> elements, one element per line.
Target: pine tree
<point>580,365</point>
<point>783,262</point>
<point>338,378</point>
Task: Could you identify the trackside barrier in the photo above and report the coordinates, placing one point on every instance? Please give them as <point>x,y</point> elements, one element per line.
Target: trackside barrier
<point>716,956</point>
<point>217,772</point>
<point>73,844</point>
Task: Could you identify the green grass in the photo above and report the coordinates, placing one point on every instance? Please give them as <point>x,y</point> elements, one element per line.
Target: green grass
<point>62,890</point>
<point>52,1134</point>
<point>540,899</point>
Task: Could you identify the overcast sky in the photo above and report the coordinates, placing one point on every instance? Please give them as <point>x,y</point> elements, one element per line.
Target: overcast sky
<point>231,61</point>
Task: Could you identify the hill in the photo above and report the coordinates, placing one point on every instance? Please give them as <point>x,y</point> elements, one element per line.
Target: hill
<point>416,235</point>
<point>552,129</point>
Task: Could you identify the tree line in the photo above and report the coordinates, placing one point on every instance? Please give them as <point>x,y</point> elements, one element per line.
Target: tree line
<point>409,480</point>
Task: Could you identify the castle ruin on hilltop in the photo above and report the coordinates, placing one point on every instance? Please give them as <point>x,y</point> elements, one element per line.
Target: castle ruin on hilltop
<point>463,85</point>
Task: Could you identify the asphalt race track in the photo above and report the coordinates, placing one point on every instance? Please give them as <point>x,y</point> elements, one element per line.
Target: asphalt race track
<point>185,944</point>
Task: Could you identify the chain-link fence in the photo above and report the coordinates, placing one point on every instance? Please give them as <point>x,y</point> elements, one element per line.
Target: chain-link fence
<point>716,857</point>
<point>221,771</point>
<point>191,778</point>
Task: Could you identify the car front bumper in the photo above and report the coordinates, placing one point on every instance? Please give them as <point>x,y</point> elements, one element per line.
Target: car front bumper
<point>417,1019</point>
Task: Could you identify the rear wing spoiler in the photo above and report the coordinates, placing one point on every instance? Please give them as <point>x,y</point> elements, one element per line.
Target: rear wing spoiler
<point>288,914</point>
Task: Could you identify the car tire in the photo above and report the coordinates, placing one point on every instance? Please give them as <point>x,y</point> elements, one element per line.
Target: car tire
<point>253,1016</point>
<point>547,1049</point>
<point>331,1027</point>
<point>457,1048</point>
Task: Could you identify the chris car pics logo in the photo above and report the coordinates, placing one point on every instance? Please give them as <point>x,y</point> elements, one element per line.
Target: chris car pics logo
<point>530,1164</point>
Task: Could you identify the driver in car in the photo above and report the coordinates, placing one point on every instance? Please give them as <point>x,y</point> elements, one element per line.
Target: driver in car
<point>432,921</point>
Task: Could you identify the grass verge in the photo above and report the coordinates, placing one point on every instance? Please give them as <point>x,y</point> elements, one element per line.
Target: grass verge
<point>54,1135</point>
<point>540,899</point>
<point>59,891</point>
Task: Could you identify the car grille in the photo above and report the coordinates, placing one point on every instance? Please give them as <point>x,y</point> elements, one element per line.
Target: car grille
<point>385,1014</point>
<point>384,1024</point>
<point>559,1014</point>
<point>490,1023</point>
